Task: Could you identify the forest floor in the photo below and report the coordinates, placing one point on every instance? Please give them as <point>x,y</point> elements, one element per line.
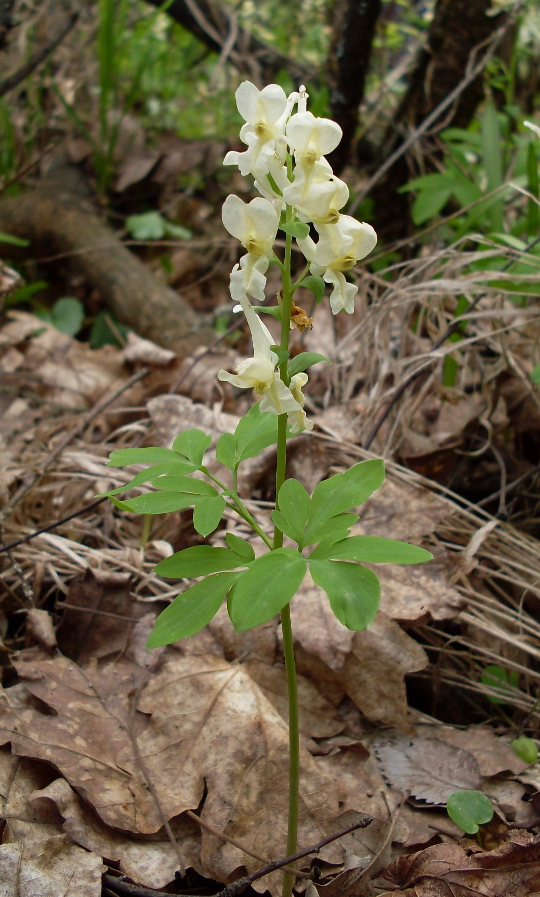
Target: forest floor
<point>144,766</point>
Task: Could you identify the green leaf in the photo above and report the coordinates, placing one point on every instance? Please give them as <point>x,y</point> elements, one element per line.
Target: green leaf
<point>151,455</point>
<point>535,376</point>
<point>265,588</point>
<point>342,492</point>
<point>177,230</point>
<point>67,315</point>
<point>192,444</point>
<point>146,226</point>
<point>191,611</point>
<point>157,503</point>
<point>281,354</point>
<point>526,749</point>
<point>428,182</point>
<point>316,285</point>
<point>255,432</point>
<point>226,451</point>
<point>353,591</point>
<point>244,549</point>
<point>183,484</point>
<point>304,361</point>
<point>469,810</point>
<point>332,529</point>
<point>372,550</point>
<point>296,229</point>
<point>533,212</point>
<point>199,561</point>
<point>150,473</point>
<point>13,241</point>
<point>429,203</point>
<point>293,503</point>
<point>501,680</point>
<point>207,514</point>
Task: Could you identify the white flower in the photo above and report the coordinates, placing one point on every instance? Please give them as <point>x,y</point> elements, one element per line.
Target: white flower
<point>255,373</point>
<point>310,137</point>
<point>532,127</point>
<point>258,373</point>
<point>316,194</point>
<point>339,247</point>
<point>265,113</point>
<point>255,225</point>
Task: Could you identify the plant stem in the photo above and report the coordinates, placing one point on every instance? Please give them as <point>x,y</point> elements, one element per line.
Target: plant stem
<point>288,644</point>
<point>294,745</point>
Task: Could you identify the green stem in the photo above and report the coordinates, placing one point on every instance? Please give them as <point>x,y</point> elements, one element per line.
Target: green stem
<point>288,644</point>
<point>294,745</point>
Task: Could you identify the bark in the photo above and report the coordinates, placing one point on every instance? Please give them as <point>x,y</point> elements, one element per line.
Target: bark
<point>214,25</point>
<point>57,221</point>
<point>353,28</point>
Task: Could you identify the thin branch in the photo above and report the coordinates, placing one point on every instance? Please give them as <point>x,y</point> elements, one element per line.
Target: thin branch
<point>238,886</point>
<point>39,56</point>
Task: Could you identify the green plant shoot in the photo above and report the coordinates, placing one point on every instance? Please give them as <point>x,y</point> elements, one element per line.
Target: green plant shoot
<point>285,155</point>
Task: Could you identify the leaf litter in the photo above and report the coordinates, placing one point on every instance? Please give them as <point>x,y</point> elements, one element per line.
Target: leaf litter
<point>101,730</point>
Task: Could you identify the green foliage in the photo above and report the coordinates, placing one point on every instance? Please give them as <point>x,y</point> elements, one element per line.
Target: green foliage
<point>153,226</point>
<point>296,229</point>
<point>501,680</point>
<point>260,587</point>
<point>525,748</point>
<point>106,330</point>
<point>354,591</point>
<point>67,315</point>
<point>304,361</point>
<point>263,591</point>
<point>191,611</point>
<point>469,810</point>
<point>535,376</point>
<point>315,284</point>
<point>254,433</point>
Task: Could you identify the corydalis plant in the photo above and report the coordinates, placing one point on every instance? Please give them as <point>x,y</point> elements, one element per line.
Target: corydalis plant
<point>286,156</point>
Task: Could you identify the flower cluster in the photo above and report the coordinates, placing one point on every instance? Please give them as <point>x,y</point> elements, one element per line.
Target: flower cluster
<point>286,156</point>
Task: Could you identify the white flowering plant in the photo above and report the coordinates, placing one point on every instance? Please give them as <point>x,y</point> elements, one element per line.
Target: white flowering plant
<point>301,197</point>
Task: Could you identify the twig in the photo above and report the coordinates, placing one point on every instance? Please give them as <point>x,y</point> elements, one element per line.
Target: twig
<point>77,430</point>
<point>238,886</point>
<point>119,886</point>
<point>40,56</point>
<point>51,526</point>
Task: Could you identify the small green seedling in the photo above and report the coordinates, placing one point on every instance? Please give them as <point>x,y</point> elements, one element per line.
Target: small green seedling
<point>500,680</point>
<point>469,810</point>
<point>525,748</point>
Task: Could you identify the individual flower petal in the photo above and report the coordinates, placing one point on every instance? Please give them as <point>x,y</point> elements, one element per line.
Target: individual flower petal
<point>310,137</point>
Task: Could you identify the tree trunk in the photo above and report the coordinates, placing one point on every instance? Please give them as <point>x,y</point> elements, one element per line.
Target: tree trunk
<point>353,28</point>
<point>57,221</point>
<point>458,38</point>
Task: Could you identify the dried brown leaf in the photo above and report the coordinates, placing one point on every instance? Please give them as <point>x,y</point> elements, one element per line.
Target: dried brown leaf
<point>444,869</point>
<point>426,768</point>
